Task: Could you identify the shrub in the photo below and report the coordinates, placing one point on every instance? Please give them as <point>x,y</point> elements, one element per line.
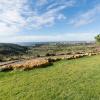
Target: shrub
<point>38,55</point>
<point>50,54</point>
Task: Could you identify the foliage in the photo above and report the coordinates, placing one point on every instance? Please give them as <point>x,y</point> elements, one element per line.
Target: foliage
<point>10,51</point>
<point>97,38</point>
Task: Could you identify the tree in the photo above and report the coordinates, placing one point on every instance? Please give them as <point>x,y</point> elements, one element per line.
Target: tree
<point>97,38</point>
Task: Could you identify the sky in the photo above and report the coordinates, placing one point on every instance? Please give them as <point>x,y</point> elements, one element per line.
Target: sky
<point>49,20</point>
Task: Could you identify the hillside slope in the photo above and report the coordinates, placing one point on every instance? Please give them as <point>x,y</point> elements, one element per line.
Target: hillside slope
<point>65,80</point>
<point>11,49</point>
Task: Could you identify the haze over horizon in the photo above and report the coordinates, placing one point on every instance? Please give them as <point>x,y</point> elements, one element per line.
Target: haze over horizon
<point>49,20</point>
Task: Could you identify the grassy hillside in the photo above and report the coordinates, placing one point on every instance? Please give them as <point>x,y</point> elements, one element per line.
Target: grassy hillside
<point>65,80</point>
<point>10,49</point>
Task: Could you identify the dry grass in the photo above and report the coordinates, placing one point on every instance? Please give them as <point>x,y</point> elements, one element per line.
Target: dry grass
<point>27,65</point>
<point>41,62</point>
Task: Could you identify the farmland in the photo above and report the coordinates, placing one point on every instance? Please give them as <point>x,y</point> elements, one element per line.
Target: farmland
<point>43,55</point>
<point>50,72</point>
<point>9,52</point>
<point>76,79</point>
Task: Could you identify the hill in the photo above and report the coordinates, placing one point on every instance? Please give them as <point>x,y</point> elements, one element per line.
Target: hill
<point>77,79</point>
<point>11,49</point>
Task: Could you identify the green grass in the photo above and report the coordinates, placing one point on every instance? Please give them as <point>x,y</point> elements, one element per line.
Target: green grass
<point>66,80</point>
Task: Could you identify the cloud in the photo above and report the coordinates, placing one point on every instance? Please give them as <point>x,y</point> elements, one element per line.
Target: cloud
<point>46,38</point>
<point>10,16</point>
<point>18,14</point>
<point>44,20</point>
<point>41,2</point>
<point>86,17</point>
<point>50,14</point>
<point>64,3</point>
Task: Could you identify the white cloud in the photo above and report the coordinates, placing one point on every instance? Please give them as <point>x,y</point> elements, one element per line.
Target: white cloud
<point>44,20</point>
<point>41,2</point>
<point>17,14</point>
<point>87,17</point>
<point>6,30</point>
<point>10,16</point>
<point>57,37</point>
<point>64,3</point>
<point>50,15</point>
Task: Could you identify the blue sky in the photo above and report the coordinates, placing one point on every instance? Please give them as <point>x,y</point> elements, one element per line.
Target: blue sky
<point>49,20</point>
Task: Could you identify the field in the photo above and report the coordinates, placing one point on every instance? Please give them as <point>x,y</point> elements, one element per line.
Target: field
<point>77,79</point>
<point>9,52</point>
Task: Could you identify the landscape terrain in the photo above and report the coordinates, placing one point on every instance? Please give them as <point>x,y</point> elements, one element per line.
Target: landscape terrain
<point>14,56</point>
<point>50,71</point>
<point>49,49</point>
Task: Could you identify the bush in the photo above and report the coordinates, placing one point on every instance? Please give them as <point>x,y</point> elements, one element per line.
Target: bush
<point>38,55</point>
<point>50,54</point>
<point>53,59</point>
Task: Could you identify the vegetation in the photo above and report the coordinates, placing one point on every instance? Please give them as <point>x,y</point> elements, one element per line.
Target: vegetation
<point>59,49</point>
<point>40,62</point>
<point>10,51</point>
<point>26,65</point>
<point>97,38</point>
<point>50,52</point>
<point>65,80</point>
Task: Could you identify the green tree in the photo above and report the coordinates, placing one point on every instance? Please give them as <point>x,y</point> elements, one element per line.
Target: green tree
<point>97,38</point>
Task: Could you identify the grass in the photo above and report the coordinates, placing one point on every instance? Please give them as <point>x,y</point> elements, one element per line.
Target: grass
<point>65,80</point>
